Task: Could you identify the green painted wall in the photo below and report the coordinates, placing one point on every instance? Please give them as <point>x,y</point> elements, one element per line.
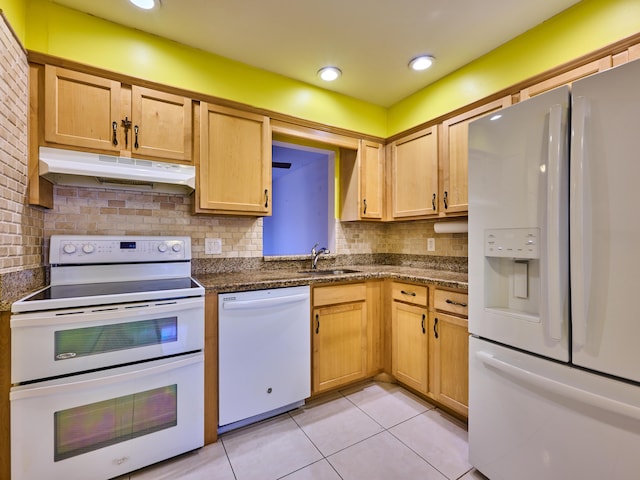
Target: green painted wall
<point>16,13</point>
<point>585,27</point>
<point>58,31</point>
<point>66,33</point>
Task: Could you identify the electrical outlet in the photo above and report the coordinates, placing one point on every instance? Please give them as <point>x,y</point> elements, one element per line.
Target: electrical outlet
<point>212,246</point>
<point>431,244</point>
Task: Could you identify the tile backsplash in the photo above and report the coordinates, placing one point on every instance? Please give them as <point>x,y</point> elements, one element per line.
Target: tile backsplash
<point>79,210</point>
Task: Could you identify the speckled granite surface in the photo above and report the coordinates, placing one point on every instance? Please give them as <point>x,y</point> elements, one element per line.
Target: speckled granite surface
<point>238,274</point>
<point>277,272</point>
<point>15,285</point>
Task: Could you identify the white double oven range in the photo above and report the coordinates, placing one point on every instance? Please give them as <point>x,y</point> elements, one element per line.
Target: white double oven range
<point>107,362</point>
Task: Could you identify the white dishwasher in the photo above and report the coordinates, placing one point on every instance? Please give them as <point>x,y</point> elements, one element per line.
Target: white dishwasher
<point>264,354</point>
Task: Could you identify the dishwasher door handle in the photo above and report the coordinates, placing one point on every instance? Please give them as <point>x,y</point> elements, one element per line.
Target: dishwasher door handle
<point>263,302</point>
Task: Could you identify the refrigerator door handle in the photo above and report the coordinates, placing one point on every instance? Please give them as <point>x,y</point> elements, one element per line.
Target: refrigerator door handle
<point>569,392</point>
<point>555,187</point>
<point>580,240</point>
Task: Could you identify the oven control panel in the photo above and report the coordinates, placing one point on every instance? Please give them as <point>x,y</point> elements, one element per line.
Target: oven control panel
<point>71,249</point>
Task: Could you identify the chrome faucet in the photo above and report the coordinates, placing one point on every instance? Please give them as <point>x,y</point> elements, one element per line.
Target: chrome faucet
<point>315,254</point>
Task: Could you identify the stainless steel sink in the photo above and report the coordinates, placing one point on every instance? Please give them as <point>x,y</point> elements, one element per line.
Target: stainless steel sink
<point>334,271</point>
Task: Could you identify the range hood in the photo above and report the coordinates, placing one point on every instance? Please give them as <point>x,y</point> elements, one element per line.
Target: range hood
<point>69,167</point>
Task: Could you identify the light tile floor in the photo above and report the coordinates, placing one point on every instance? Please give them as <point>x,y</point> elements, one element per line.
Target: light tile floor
<point>369,432</point>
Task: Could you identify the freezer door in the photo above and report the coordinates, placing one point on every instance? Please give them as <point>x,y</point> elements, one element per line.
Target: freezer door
<point>605,225</point>
<point>518,225</point>
<point>533,419</point>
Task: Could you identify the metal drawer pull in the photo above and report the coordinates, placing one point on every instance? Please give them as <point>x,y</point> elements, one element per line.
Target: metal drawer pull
<point>423,329</point>
<point>136,130</point>
<point>266,202</point>
<point>317,323</point>
<point>433,201</point>
<point>404,292</point>
<point>446,200</point>
<point>435,327</point>
<point>364,212</point>
<point>451,302</point>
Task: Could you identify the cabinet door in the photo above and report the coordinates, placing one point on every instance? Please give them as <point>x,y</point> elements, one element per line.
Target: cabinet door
<point>454,157</point>
<point>339,345</point>
<point>82,110</point>
<point>409,348</point>
<point>161,125</point>
<point>414,175</point>
<point>371,168</point>
<point>235,161</point>
<point>450,344</point>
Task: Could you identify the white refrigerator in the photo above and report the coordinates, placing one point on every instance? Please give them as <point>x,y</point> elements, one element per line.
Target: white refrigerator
<point>554,267</point>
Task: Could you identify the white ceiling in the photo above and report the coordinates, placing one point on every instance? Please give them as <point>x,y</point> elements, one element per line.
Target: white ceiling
<point>372,41</point>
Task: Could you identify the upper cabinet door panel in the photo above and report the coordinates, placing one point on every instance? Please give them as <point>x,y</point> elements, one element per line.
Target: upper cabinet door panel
<point>81,110</point>
<point>415,174</point>
<point>454,157</point>
<point>235,163</point>
<point>163,124</point>
<point>371,168</point>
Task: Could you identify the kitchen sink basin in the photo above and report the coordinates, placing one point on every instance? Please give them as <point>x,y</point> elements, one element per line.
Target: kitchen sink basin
<point>334,271</point>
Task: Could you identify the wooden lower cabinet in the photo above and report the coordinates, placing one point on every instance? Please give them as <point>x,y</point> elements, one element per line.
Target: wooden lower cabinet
<point>409,345</point>
<point>339,336</point>
<point>449,348</point>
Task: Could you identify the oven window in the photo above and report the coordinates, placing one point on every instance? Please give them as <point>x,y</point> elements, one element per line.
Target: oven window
<point>97,425</point>
<point>80,342</point>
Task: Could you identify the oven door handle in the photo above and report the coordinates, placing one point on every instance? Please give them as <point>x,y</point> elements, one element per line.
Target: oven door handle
<point>115,314</point>
<point>103,378</point>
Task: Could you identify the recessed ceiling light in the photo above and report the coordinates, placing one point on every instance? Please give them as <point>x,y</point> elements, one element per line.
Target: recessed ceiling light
<point>329,74</point>
<point>422,62</point>
<point>144,4</point>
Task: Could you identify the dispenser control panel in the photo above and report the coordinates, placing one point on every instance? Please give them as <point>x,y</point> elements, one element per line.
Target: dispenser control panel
<point>512,243</point>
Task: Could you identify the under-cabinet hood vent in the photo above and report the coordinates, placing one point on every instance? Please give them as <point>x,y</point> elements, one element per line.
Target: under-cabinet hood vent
<point>69,167</point>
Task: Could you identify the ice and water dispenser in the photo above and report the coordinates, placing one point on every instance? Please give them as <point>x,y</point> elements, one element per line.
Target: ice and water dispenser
<point>512,271</point>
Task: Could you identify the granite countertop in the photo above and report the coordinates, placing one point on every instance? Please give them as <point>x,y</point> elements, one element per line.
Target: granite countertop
<point>263,279</point>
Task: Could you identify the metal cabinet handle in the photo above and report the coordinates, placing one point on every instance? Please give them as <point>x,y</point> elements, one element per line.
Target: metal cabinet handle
<point>435,327</point>
<point>266,202</point>
<point>452,302</point>
<point>136,129</point>
<point>446,200</point>
<point>404,292</point>
<point>423,319</point>
<point>364,200</point>
<point>126,124</point>
<point>433,201</point>
<point>114,126</point>
<point>317,323</point>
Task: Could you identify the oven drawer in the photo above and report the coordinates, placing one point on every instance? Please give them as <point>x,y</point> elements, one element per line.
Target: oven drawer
<point>104,424</point>
<point>61,342</point>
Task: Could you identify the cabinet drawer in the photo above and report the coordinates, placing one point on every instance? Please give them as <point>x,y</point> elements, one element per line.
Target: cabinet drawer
<point>453,302</point>
<point>353,292</point>
<point>407,292</point>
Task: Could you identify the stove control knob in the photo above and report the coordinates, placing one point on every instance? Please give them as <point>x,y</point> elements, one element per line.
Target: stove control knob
<point>69,248</point>
<point>176,247</point>
<point>162,247</point>
<point>88,248</point>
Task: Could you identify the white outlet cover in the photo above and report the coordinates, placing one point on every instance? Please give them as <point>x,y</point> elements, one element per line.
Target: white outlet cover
<point>431,244</point>
<point>212,246</point>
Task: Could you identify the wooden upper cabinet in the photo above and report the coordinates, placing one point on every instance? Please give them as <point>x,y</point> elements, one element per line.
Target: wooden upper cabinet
<point>234,162</point>
<point>414,175</point>
<point>91,112</point>
<point>361,182</point>
<point>454,157</point>
<point>567,77</point>
<point>161,124</point>
<point>81,110</point>
<point>371,170</point>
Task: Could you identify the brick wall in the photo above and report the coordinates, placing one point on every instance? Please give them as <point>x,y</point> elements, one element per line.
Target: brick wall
<point>21,226</point>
